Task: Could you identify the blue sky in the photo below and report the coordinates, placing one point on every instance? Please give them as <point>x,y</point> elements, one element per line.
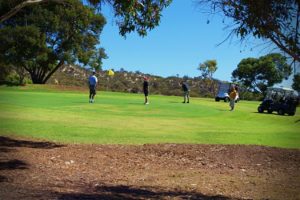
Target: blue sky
<point>177,46</point>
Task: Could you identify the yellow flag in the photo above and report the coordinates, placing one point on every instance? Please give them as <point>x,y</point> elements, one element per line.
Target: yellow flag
<point>111,72</point>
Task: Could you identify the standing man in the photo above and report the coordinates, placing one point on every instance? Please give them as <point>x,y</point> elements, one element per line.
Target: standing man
<point>92,85</point>
<point>146,89</point>
<point>186,92</point>
<point>233,95</point>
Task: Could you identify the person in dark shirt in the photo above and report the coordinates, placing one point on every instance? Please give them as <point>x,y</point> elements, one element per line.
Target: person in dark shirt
<point>186,92</point>
<point>146,89</point>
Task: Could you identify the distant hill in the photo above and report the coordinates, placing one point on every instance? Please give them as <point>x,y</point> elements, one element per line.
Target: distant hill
<point>132,82</point>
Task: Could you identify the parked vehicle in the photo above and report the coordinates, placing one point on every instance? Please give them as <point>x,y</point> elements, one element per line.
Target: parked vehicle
<point>223,92</point>
<point>280,100</point>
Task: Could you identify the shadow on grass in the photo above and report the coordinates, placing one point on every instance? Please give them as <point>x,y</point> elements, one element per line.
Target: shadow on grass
<point>266,113</point>
<point>136,103</point>
<point>177,102</point>
<point>274,113</point>
<point>9,142</point>
<point>129,192</point>
<point>224,110</point>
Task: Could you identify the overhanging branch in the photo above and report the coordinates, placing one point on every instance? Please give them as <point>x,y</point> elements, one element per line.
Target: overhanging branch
<point>17,8</point>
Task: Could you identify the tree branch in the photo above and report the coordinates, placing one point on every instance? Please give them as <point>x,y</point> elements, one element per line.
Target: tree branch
<point>54,70</point>
<point>17,8</point>
<point>282,47</point>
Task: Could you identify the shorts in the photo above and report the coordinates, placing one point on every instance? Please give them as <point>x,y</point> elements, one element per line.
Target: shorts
<point>231,103</point>
<point>93,89</point>
<point>146,93</point>
<point>186,93</point>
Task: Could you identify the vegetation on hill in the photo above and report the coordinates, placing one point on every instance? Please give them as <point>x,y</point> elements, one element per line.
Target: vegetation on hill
<point>131,82</point>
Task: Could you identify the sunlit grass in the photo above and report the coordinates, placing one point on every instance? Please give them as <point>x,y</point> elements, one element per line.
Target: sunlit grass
<point>119,118</point>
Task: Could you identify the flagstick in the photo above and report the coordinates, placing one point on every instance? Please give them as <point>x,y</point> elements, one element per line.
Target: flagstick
<point>107,83</point>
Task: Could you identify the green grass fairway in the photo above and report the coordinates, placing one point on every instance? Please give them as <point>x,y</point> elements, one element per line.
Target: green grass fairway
<point>119,118</point>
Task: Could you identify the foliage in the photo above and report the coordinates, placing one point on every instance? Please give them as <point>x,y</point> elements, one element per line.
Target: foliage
<point>247,95</point>
<point>208,68</point>
<point>208,86</point>
<point>12,7</point>
<point>5,71</point>
<point>19,45</point>
<point>138,15</point>
<point>131,15</point>
<point>296,82</point>
<point>41,39</point>
<point>96,59</point>
<point>277,21</point>
<point>258,74</point>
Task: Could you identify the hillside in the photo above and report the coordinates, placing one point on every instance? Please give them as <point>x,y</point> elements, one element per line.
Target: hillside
<point>131,82</point>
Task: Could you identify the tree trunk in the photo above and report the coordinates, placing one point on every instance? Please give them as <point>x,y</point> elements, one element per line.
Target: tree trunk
<point>41,77</point>
<point>35,79</point>
<point>52,72</point>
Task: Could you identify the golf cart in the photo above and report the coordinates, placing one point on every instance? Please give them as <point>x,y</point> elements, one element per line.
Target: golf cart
<point>223,92</point>
<point>280,100</point>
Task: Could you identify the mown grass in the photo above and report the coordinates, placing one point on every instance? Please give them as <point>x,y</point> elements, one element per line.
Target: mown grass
<point>119,118</point>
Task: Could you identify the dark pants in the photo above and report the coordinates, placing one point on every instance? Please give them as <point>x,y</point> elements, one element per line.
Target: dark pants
<point>92,91</point>
<point>146,93</point>
<point>186,96</point>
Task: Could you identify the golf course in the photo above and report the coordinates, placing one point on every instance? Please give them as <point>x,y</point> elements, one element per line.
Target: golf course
<point>120,118</point>
<point>56,145</point>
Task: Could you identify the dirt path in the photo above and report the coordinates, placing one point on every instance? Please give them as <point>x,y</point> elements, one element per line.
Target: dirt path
<point>43,170</point>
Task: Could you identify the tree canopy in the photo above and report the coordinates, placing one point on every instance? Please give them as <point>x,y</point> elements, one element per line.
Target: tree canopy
<point>258,74</point>
<point>276,21</point>
<point>41,39</point>
<point>131,15</point>
<point>41,35</point>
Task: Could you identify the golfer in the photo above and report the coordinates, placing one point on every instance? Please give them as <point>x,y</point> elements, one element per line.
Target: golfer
<point>92,85</point>
<point>233,95</point>
<point>186,92</point>
<point>146,89</point>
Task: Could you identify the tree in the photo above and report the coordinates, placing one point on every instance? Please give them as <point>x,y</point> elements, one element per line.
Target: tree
<point>208,68</point>
<point>258,74</point>
<point>97,58</point>
<point>131,15</point>
<point>185,77</point>
<point>5,71</point>
<point>276,21</point>
<point>296,82</point>
<point>41,39</point>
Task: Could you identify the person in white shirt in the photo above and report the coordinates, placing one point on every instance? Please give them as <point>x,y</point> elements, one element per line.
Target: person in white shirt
<point>92,85</point>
